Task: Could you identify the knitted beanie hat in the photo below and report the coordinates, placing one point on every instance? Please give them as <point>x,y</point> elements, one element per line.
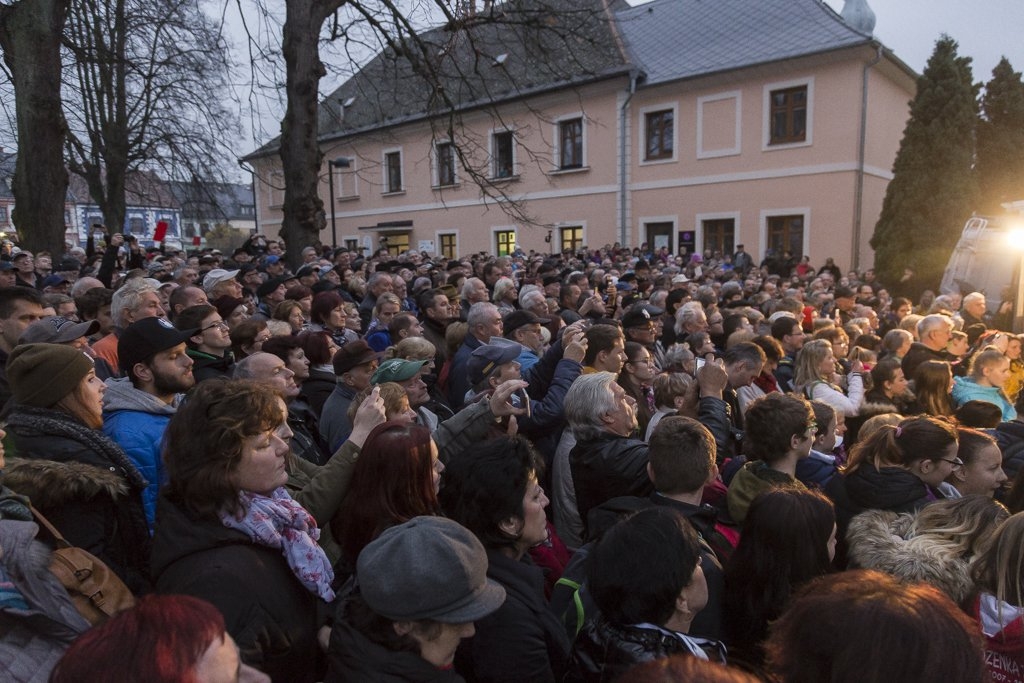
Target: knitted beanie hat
<point>42,374</point>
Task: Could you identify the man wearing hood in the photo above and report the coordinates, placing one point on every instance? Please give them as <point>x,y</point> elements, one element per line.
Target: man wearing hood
<point>136,408</point>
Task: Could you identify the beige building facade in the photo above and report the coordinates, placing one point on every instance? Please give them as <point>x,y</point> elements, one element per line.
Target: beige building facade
<point>774,149</point>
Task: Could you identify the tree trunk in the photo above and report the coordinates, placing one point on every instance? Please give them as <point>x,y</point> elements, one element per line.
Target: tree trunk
<point>301,157</point>
<point>30,35</point>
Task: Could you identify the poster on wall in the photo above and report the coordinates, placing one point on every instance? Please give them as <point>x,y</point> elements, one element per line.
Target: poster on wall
<point>427,246</point>
<point>661,241</point>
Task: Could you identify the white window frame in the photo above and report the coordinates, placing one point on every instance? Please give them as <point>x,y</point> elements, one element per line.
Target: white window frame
<point>342,189</point>
<point>737,97</point>
<point>435,164</point>
<point>698,226</point>
<point>766,113</point>
<point>437,241</point>
<point>276,180</point>
<point>765,214</point>
<point>503,228</point>
<point>493,170</point>
<point>385,180</point>
<point>557,156</point>
<point>569,224</point>
<point>642,133</point>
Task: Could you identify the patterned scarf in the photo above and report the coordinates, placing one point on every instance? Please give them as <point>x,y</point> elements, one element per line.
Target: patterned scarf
<point>277,521</point>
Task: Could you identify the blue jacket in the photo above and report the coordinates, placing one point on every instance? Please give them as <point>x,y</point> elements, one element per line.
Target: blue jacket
<point>136,421</point>
<point>966,389</point>
<point>458,378</point>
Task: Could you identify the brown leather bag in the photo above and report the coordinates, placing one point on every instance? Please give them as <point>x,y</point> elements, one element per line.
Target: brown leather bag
<point>96,591</point>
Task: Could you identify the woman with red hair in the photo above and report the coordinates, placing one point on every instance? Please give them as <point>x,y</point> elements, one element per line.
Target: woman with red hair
<point>396,478</point>
<point>163,639</point>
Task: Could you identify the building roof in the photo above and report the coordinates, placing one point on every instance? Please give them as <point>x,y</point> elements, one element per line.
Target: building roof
<point>513,49</point>
<point>215,201</point>
<point>677,39</point>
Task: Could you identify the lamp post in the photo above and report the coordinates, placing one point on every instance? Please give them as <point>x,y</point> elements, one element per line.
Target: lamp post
<point>340,162</point>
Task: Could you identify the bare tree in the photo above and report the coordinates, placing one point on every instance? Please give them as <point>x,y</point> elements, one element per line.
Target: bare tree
<point>30,36</point>
<point>147,93</point>
<point>435,61</point>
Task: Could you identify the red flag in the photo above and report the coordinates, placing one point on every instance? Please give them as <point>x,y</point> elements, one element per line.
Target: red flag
<point>197,241</point>
<point>161,231</point>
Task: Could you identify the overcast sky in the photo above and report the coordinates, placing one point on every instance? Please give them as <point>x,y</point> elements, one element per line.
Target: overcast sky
<point>986,30</point>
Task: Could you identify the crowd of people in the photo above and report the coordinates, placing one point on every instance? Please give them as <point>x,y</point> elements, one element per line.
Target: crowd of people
<point>608,465</point>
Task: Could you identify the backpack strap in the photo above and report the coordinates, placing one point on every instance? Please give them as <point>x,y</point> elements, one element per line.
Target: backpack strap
<point>577,602</point>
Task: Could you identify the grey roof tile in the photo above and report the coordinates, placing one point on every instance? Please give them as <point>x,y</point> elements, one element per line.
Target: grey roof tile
<point>677,39</point>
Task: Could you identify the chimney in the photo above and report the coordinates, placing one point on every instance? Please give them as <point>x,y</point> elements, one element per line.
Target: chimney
<point>859,16</point>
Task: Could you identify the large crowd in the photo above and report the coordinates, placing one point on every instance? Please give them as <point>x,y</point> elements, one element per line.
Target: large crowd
<point>606,465</point>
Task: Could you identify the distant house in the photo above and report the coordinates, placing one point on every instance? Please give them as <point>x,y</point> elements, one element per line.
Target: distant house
<point>149,200</point>
<point>204,206</point>
<point>684,124</point>
<point>7,160</point>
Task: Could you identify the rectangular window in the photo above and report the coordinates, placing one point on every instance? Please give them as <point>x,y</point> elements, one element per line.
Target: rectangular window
<point>3,214</point>
<point>345,180</point>
<point>276,189</point>
<point>352,245</point>
<point>503,152</point>
<point>720,235</point>
<point>397,244</point>
<point>659,135</point>
<point>789,115</point>
<point>448,245</point>
<point>67,217</point>
<point>136,225</point>
<point>505,242</point>
<point>786,233</point>
<point>393,171</point>
<point>572,238</point>
<point>445,164</point>
<point>570,144</point>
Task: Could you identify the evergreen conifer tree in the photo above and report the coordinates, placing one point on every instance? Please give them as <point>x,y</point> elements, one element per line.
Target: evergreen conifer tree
<point>933,190</point>
<point>1000,162</point>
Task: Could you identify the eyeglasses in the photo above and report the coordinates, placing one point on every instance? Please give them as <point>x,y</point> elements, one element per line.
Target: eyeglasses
<point>221,324</point>
<point>642,361</point>
<point>957,463</point>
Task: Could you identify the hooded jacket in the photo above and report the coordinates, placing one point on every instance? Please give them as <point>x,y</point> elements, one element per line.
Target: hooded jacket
<point>270,614</point>
<point>36,635</point>
<point>1003,627</point>
<point>966,389</point>
<point>753,478</point>
<point>880,539</point>
<point>137,421</point>
<point>86,486</point>
<point>207,366</point>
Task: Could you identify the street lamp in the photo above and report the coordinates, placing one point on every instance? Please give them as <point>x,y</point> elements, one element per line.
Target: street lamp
<point>340,162</point>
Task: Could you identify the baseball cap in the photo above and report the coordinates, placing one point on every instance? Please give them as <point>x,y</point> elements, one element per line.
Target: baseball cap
<point>145,338</point>
<point>54,280</point>
<point>397,370</point>
<point>57,330</point>
<point>487,357</point>
<point>640,315</point>
<point>218,275</point>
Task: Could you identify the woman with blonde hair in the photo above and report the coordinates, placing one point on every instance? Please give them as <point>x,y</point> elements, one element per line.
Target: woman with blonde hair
<point>290,311</point>
<point>933,382</point>
<point>935,544</point>
<point>999,602</point>
<point>815,366</point>
<point>988,372</point>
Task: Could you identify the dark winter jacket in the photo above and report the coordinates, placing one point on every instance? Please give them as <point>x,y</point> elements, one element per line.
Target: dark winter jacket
<point>335,426</point>
<point>85,485</point>
<point>33,636</point>
<point>270,614</point>
<point>206,366</point>
<point>603,651</point>
<point>317,388</point>
<point>606,467</point>
<point>522,640</point>
<point>137,421</point>
<point>917,354</point>
<point>753,478</point>
<point>354,657</point>
<point>306,441</point>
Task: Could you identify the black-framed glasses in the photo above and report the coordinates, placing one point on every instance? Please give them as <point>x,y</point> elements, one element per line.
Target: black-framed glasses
<point>642,361</point>
<point>957,463</point>
<point>220,323</point>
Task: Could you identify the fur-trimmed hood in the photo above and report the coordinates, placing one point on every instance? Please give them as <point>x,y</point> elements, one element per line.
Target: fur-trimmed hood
<point>878,540</point>
<point>49,484</point>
